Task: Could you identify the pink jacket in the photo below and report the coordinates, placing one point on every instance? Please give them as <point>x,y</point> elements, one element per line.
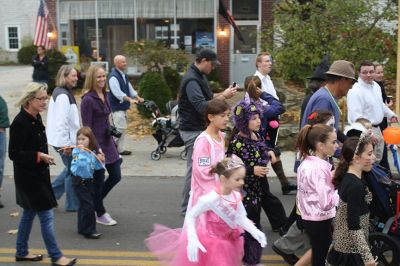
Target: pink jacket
<point>316,197</point>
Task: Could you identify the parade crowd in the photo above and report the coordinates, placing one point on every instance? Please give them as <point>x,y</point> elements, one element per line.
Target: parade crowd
<point>226,186</point>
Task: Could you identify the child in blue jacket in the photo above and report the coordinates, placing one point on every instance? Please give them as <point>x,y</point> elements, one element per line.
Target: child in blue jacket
<point>84,162</point>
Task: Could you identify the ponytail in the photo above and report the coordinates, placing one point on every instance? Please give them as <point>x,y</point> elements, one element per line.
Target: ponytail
<point>309,136</point>
<point>340,170</point>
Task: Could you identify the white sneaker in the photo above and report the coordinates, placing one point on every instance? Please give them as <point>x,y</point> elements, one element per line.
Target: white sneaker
<point>106,219</point>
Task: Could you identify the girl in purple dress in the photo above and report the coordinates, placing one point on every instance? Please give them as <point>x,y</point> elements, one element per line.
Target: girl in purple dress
<point>249,146</point>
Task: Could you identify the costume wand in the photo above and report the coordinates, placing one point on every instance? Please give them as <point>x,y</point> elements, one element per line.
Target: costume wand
<point>82,148</point>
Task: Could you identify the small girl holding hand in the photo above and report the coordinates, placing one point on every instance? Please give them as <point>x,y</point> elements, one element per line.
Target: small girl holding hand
<point>84,162</point>
<point>219,241</point>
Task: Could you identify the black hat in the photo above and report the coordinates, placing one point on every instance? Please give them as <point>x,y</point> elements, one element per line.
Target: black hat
<point>321,69</point>
<point>209,55</point>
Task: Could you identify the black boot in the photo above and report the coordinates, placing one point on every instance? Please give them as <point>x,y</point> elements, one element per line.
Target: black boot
<point>285,184</point>
<point>1,204</point>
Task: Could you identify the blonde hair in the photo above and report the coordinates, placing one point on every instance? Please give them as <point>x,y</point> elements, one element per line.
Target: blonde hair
<point>63,72</point>
<point>30,92</point>
<point>260,56</point>
<point>91,79</point>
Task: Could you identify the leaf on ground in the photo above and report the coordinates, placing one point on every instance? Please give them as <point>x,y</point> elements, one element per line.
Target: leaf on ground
<point>14,214</point>
<point>12,231</point>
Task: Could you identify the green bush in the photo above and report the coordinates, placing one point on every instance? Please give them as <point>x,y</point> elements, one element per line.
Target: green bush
<point>173,80</point>
<point>153,87</point>
<point>25,54</point>
<point>56,60</point>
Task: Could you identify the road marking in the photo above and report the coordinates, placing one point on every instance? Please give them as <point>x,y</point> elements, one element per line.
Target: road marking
<point>96,257</point>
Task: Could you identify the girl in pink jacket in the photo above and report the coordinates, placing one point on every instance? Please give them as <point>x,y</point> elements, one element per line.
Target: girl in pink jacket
<point>316,197</point>
<point>208,150</point>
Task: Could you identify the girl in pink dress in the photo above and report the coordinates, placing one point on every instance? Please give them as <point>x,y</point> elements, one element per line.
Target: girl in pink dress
<point>218,241</point>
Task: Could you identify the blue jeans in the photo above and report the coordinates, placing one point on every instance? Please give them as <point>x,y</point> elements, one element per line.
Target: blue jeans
<point>101,188</point>
<point>47,228</point>
<point>63,183</point>
<point>3,145</point>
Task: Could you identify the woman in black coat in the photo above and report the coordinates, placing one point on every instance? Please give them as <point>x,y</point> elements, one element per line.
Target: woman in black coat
<point>40,63</point>
<point>28,151</point>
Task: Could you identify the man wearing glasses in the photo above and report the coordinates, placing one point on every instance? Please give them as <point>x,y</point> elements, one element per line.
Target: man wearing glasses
<point>364,100</point>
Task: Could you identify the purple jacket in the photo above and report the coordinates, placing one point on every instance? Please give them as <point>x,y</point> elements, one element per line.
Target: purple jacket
<point>95,114</point>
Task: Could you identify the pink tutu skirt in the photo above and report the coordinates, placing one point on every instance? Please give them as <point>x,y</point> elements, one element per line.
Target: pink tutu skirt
<point>224,246</point>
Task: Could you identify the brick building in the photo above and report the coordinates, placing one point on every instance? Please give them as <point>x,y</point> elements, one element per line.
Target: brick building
<point>185,24</point>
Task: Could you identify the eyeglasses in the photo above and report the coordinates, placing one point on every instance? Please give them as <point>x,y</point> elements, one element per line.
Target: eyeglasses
<point>368,72</point>
<point>42,99</point>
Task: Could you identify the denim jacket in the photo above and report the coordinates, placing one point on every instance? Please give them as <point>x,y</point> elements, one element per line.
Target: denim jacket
<point>84,163</point>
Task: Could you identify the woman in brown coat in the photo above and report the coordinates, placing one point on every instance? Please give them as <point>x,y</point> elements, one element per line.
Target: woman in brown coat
<point>28,151</point>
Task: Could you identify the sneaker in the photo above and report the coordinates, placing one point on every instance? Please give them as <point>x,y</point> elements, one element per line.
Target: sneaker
<point>106,219</point>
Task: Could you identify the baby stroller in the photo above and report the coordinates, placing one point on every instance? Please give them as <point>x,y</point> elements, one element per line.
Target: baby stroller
<point>165,129</point>
<point>384,237</point>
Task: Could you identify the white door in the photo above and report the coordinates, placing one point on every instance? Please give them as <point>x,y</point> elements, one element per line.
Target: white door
<point>244,54</point>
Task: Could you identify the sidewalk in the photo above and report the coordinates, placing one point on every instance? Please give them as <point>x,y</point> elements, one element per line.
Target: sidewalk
<point>13,80</point>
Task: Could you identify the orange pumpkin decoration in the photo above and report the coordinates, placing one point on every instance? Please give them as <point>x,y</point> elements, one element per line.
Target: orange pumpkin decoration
<point>391,135</point>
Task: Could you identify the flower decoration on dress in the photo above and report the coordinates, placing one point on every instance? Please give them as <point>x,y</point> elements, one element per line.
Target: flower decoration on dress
<point>242,114</point>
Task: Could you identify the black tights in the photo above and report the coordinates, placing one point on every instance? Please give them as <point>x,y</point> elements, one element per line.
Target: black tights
<point>320,233</point>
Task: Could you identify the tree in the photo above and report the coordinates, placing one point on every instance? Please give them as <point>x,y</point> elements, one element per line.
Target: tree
<point>155,55</point>
<point>353,30</point>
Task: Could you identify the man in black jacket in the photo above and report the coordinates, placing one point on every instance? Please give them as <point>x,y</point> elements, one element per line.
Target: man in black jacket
<point>194,95</point>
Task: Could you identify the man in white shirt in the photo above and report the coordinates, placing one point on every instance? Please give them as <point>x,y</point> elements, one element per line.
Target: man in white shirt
<point>121,96</point>
<point>264,67</point>
<point>364,100</point>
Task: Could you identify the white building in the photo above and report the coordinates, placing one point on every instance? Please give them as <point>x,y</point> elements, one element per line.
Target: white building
<point>17,23</point>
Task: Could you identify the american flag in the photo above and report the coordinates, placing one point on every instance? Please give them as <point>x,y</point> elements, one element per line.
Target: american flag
<point>41,37</point>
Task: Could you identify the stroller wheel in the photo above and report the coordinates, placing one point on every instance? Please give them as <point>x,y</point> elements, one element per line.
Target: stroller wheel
<point>385,248</point>
<point>163,149</point>
<point>155,155</point>
<point>184,155</point>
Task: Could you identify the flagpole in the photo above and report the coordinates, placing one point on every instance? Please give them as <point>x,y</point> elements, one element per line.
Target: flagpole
<point>97,32</point>
<point>175,45</point>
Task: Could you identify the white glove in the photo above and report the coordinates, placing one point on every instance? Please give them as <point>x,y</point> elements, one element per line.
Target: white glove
<point>260,237</point>
<point>193,250</point>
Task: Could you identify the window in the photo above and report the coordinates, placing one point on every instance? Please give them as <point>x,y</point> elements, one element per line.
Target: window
<point>245,9</point>
<point>12,38</point>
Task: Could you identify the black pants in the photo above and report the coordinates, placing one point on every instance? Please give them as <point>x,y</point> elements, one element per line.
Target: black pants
<point>272,206</point>
<point>252,249</point>
<point>385,162</point>
<point>103,187</point>
<point>320,233</point>
<point>84,189</point>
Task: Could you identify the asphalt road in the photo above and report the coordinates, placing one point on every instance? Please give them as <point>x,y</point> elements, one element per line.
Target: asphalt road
<point>136,203</point>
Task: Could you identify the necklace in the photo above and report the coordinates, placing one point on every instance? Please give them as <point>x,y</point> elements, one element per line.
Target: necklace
<point>330,94</point>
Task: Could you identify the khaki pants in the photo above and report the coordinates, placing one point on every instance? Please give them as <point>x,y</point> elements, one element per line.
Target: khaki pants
<point>121,123</point>
<point>378,149</point>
